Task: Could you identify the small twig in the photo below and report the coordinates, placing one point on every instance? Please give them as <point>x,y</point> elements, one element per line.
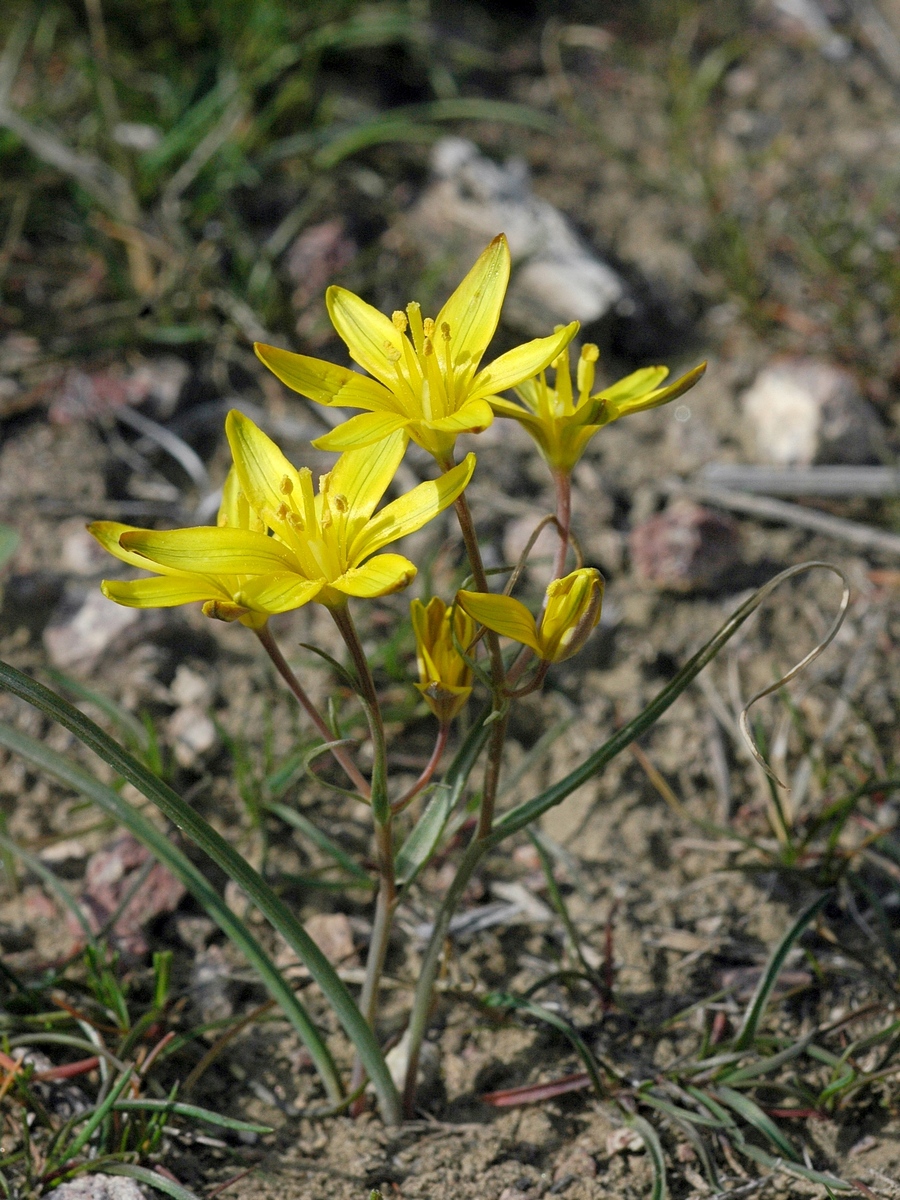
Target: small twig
<point>866,537</point>
<point>802,481</point>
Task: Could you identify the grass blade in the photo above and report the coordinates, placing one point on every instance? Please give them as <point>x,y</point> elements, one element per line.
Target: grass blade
<point>769,977</point>
<point>231,862</point>
<point>182,868</point>
<point>290,816</point>
<point>650,1138</point>
<point>178,1109</point>
<point>755,1116</point>
<point>524,814</point>
<point>167,1186</point>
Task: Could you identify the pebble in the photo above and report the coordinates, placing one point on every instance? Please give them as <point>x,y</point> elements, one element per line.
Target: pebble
<point>686,548</point>
<point>556,277</point>
<point>333,934</point>
<point>801,411</point>
<point>622,1140</point>
<point>98,1187</point>
<point>192,733</point>
<point>84,630</point>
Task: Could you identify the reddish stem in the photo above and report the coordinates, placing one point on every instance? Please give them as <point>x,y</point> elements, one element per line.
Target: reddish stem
<point>424,779</point>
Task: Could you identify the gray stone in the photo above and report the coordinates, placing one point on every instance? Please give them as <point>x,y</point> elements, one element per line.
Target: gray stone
<point>687,548</point>
<point>82,633</point>
<point>99,1187</point>
<point>801,411</point>
<point>556,278</point>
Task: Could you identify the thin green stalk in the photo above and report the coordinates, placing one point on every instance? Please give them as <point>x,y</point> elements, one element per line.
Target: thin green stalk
<point>562,481</point>
<point>273,650</point>
<point>386,900</point>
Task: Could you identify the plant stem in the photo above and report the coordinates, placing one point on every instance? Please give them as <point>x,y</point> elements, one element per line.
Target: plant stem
<point>281,666</point>
<point>386,900</point>
<point>498,672</point>
<point>562,481</point>
<point>424,779</point>
<point>421,1009</point>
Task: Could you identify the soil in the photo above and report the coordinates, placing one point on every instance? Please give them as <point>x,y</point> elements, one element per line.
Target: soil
<point>688,914</point>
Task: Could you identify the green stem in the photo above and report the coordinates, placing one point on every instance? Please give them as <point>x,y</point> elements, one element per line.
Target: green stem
<point>421,1009</point>
<point>281,666</point>
<point>562,481</point>
<point>386,900</point>
<point>498,672</point>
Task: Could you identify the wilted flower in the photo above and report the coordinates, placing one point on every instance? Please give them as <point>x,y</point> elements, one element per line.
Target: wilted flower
<point>571,611</point>
<point>445,678</point>
<point>424,379</point>
<point>562,424</point>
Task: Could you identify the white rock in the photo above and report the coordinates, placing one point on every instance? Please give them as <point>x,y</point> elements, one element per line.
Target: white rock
<point>98,1187</point>
<point>556,278</point>
<point>81,637</point>
<point>801,411</point>
<point>192,732</point>
<point>190,687</point>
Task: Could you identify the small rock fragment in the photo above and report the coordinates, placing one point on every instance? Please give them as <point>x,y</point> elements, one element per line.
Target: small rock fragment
<point>110,876</point>
<point>192,733</point>
<point>624,1140</point>
<point>801,411</point>
<point>315,257</point>
<point>808,19</point>
<point>190,687</point>
<point>85,629</point>
<point>556,278</point>
<point>82,395</point>
<point>81,554</point>
<point>99,1187</point>
<point>686,548</point>
<point>579,1163</point>
<point>333,934</point>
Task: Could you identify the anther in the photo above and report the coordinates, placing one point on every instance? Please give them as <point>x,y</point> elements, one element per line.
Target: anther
<point>340,502</point>
<point>398,317</point>
<point>428,327</point>
<point>445,330</point>
<point>590,352</point>
<point>286,486</point>
<point>391,353</point>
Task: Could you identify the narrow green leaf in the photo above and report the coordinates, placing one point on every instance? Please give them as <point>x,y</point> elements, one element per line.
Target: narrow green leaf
<point>182,868</point>
<point>231,862</point>
<point>9,543</point>
<point>291,817</point>
<point>755,1116</point>
<point>505,1000</point>
<point>190,1110</point>
<point>517,818</point>
<point>426,834</point>
<point>769,978</point>
<point>152,1179</point>
<point>650,1138</point>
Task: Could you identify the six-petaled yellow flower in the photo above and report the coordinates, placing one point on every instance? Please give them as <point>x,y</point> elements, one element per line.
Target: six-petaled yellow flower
<point>562,423</point>
<point>571,611</point>
<point>424,373</point>
<point>445,679</point>
<point>230,596</point>
<point>323,547</point>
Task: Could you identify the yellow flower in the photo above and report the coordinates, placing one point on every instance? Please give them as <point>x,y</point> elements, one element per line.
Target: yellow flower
<point>446,680</point>
<point>229,596</point>
<point>571,611</point>
<point>323,544</point>
<point>424,379</point>
<point>563,424</point>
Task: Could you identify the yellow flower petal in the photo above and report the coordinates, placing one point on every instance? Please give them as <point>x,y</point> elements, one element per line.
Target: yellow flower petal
<point>380,576</point>
<point>360,431</point>
<point>163,591</point>
<point>514,367</point>
<point>664,395</point>
<point>372,338</point>
<point>638,383</point>
<point>474,417</point>
<point>279,593</point>
<point>473,311</point>
<point>211,550</point>
<point>362,477</point>
<point>503,614</point>
<point>325,382</point>
<point>267,478</point>
<point>412,511</point>
<point>108,533</point>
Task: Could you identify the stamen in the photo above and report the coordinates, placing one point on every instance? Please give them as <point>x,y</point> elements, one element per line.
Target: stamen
<point>392,354</point>
<point>341,503</point>
<point>428,327</point>
<point>296,522</point>
<point>286,486</point>
<point>445,330</point>
<point>282,512</point>
<point>414,312</point>
<point>398,317</point>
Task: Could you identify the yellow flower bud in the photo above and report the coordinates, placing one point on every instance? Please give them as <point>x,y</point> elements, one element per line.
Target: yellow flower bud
<point>572,610</point>
<point>445,679</point>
